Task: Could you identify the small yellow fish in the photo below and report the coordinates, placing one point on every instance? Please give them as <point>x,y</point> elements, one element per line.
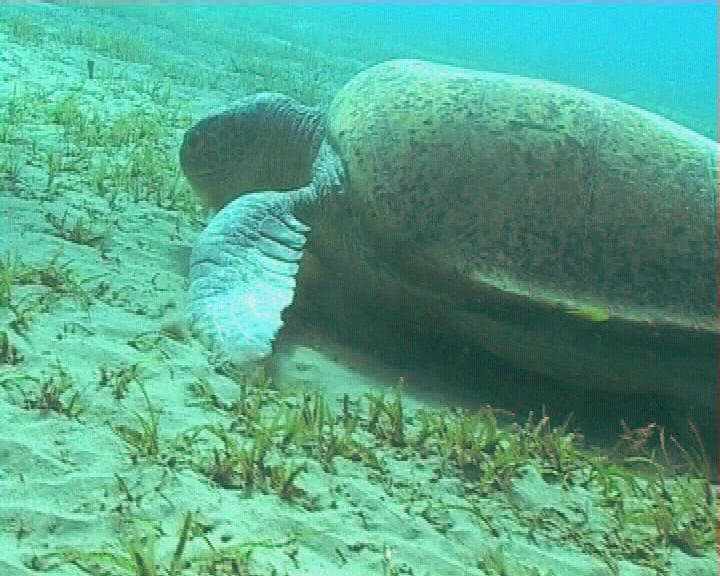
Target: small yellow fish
<point>591,313</point>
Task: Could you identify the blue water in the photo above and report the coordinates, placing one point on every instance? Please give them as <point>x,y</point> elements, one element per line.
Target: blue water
<point>663,57</point>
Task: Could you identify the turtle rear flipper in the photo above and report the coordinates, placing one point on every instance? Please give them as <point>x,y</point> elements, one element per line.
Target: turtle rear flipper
<point>242,275</point>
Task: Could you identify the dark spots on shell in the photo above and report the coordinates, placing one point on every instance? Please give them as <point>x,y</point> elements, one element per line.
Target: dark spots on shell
<point>525,212</point>
<point>508,228</point>
<point>678,231</point>
<point>555,241</point>
<point>573,146</point>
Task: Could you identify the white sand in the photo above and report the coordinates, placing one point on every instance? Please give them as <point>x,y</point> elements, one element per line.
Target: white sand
<point>62,480</point>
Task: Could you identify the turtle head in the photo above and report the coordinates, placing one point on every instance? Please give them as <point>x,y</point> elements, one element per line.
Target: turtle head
<point>266,141</point>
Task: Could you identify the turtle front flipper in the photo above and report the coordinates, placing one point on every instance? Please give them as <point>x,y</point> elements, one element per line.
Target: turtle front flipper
<point>242,275</point>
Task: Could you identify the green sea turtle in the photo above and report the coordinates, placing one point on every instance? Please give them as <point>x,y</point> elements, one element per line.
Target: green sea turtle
<point>567,233</point>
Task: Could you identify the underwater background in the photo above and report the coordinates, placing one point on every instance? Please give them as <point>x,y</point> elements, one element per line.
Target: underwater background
<point>128,449</point>
<point>660,56</point>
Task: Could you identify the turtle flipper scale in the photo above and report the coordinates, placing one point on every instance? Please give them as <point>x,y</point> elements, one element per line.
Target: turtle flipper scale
<point>242,275</point>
